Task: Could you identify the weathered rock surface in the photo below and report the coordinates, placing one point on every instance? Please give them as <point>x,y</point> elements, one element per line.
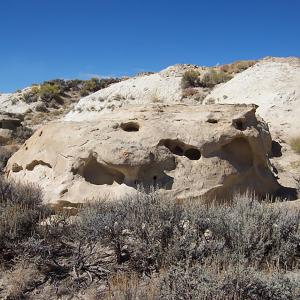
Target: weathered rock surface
<point>274,85</point>
<point>188,151</point>
<point>13,103</point>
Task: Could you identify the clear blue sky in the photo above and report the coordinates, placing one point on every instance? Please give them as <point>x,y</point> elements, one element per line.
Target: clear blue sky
<point>44,39</point>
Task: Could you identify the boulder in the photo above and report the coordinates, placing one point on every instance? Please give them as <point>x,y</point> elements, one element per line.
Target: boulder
<point>187,151</point>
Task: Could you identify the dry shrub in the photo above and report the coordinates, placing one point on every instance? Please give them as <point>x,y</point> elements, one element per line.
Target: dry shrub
<point>214,77</point>
<point>189,92</point>
<point>149,246</point>
<point>20,210</point>
<point>295,144</point>
<point>227,282</point>
<point>131,286</point>
<point>5,154</point>
<point>150,232</point>
<point>190,78</point>
<point>21,134</point>
<point>19,280</point>
<point>238,66</point>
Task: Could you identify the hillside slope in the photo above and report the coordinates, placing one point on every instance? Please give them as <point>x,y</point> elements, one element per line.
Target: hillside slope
<point>274,85</point>
<point>163,87</point>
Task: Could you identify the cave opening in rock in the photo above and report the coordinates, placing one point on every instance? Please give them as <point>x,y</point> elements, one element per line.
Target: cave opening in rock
<point>130,126</point>
<point>276,149</point>
<point>192,154</point>
<point>96,173</point>
<point>179,148</point>
<point>212,121</point>
<point>239,124</point>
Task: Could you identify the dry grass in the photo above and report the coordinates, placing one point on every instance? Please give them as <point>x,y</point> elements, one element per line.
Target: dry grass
<point>21,278</point>
<point>238,66</point>
<point>189,92</point>
<point>295,144</point>
<point>124,286</point>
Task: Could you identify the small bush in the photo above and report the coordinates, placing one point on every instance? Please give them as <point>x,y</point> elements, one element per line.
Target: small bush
<point>213,78</point>
<point>95,84</point>
<point>49,92</point>
<point>189,92</point>
<point>238,66</point>
<point>225,282</point>
<point>21,279</point>
<point>20,209</point>
<point>32,95</point>
<point>5,154</point>
<point>21,134</point>
<point>189,79</point>
<point>295,144</point>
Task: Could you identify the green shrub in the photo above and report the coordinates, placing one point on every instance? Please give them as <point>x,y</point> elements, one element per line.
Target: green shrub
<point>95,84</point>
<point>213,78</point>
<point>49,92</point>
<point>189,79</point>
<point>295,144</point>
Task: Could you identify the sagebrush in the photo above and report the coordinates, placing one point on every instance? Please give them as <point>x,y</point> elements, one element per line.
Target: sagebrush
<point>150,246</point>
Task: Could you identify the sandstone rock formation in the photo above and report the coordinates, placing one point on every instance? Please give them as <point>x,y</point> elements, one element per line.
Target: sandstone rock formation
<point>274,85</point>
<point>188,151</point>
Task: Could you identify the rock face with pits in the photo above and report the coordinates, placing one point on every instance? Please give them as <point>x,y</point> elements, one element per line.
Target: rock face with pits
<point>188,151</point>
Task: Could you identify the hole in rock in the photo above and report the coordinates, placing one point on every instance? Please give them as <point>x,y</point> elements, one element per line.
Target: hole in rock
<point>146,176</point>
<point>154,176</point>
<point>192,154</point>
<point>96,173</point>
<point>212,121</point>
<point>276,149</point>
<point>179,148</point>
<point>130,126</point>
<point>239,124</point>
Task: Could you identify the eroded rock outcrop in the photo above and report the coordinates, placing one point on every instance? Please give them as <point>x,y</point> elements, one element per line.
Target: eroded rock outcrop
<point>188,151</point>
<point>274,85</point>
